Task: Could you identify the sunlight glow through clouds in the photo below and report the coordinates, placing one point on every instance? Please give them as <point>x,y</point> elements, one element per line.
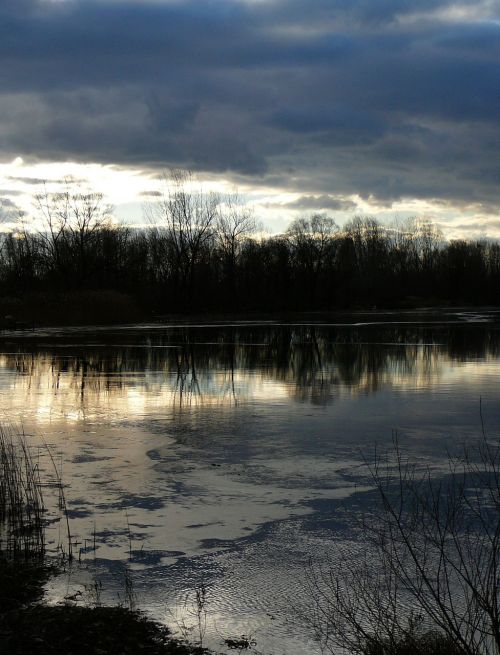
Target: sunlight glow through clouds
<point>129,190</point>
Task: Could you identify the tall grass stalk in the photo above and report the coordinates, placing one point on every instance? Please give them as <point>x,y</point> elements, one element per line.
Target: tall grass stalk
<point>21,502</point>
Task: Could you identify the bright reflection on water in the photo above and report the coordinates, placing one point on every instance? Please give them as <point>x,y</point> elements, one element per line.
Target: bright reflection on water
<point>229,454</point>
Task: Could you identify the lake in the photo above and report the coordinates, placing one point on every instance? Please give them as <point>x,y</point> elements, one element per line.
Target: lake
<point>228,454</point>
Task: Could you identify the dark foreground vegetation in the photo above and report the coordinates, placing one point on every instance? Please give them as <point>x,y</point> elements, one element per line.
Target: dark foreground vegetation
<point>203,252</point>
<point>30,628</point>
<point>427,578</point>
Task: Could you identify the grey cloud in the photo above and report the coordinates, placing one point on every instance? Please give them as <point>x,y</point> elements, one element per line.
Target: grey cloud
<point>9,211</point>
<point>10,192</point>
<point>116,127</point>
<point>27,180</point>
<point>478,225</point>
<point>354,12</point>
<point>324,202</point>
<point>335,97</point>
<point>166,116</point>
<point>341,124</point>
<point>6,203</point>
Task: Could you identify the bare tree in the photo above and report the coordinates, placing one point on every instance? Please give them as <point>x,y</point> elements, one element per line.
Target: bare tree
<point>186,216</point>
<point>20,256</point>
<point>70,224</point>
<point>235,222</point>
<point>311,240</point>
<point>311,237</point>
<point>433,564</point>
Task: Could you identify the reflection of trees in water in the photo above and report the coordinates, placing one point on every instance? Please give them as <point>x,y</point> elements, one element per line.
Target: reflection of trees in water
<point>302,359</point>
<point>195,366</point>
<point>201,376</point>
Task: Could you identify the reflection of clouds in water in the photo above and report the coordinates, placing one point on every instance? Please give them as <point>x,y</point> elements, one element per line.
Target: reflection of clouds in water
<point>181,369</point>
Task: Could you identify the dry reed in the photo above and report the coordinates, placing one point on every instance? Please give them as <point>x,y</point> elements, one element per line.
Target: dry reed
<point>21,502</point>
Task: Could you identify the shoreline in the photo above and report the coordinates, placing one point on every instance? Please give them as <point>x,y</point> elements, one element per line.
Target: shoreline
<point>30,627</point>
<point>22,325</point>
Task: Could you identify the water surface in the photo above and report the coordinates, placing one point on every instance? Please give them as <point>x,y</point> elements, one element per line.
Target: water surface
<point>227,454</point>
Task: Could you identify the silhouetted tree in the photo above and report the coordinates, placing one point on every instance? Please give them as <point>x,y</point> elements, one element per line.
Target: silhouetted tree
<point>185,220</point>
<point>71,223</point>
<point>235,222</point>
<point>201,252</point>
<point>312,244</point>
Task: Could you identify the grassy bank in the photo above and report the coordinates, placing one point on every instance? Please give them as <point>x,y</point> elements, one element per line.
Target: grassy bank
<point>29,627</point>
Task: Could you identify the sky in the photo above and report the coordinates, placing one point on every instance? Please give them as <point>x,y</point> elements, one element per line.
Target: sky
<point>387,108</point>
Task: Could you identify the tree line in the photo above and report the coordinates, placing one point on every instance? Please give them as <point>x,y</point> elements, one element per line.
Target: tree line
<point>204,252</point>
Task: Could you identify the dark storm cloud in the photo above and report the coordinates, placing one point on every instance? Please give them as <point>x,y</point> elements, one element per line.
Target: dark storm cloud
<point>383,98</point>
